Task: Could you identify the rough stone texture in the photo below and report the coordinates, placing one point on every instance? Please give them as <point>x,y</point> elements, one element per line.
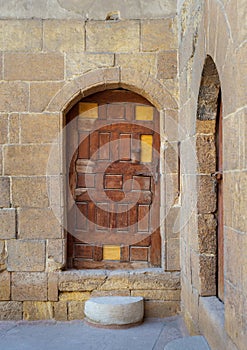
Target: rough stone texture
<point>207,233</point>
<point>56,254</point>
<point>79,63</point>
<point>14,128</point>
<point>65,36</point>
<point>60,310</point>
<point>24,255</point>
<point>26,159</point>
<point>3,128</point>
<point>21,35</point>
<point>29,286</point>
<point>7,223</point>
<point>167,65</point>
<point>52,292</point>
<point>39,128</point>
<point>29,192</point>
<point>114,310</point>
<point>112,36</point>
<point>76,281</point>
<point>74,296</point>
<point>3,255</point>
<point>165,295</point>
<point>38,223</point>
<point>41,93</point>
<point>138,61</point>
<point>161,309</point>
<point>40,66</point>
<point>5,285</point>
<point>159,35</point>
<point>5,192</point>
<point>10,310</point>
<point>14,96</point>
<point>206,194</point>
<point>37,310</point>
<point>205,145</point>
<point>76,310</point>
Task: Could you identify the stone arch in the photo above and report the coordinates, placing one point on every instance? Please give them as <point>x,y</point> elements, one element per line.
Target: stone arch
<point>109,78</point>
<point>208,164</point>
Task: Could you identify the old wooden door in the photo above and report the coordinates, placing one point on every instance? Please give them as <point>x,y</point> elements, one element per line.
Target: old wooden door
<point>113,219</point>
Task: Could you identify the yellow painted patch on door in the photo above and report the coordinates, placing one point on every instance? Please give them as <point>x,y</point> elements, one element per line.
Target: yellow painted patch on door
<point>111,252</point>
<point>88,110</point>
<point>144,113</point>
<point>146,148</point>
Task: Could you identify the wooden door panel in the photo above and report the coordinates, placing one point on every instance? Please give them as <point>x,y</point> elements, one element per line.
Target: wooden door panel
<point>114,222</point>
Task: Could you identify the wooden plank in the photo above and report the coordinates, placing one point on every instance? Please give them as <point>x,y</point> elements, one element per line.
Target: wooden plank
<point>125,147</point>
<point>143,218</point>
<point>84,145</point>
<point>104,145</point>
<point>83,251</point>
<point>139,253</point>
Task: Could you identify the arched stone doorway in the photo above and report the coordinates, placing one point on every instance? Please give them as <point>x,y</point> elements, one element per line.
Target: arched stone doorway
<point>113,160</point>
<point>210,168</point>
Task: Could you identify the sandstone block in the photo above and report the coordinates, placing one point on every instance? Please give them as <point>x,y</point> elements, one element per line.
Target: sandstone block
<point>56,251</point>
<point>38,223</point>
<point>105,293</point>
<point>64,36</point>
<point>172,222</point>
<point>206,194</point>
<point>40,66</point>
<point>41,93</point>
<point>154,280</point>
<point>207,234</point>
<point>115,282</point>
<point>29,286</point>
<point>231,152</point>
<point>10,311</point>
<point>171,125</point>
<point>112,37</point>
<point>165,295</point>
<point>159,34</point>
<point>1,66</point>
<point>79,63</point>
<point>205,126</point>
<point>52,286</point>
<point>171,158</point>
<point>207,274</point>
<point>26,255</point>
<point>14,96</point>
<point>60,310</point>
<point>161,309</point>
<point>27,159</point>
<point>3,128</point>
<point>75,310</point>
<point>138,61</point>
<point>206,154</point>
<point>80,281</point>
<point>7,223</point>
<point>5,285</point>
<point>74,296</point>
<point>5,192</point>
<point>3,256</point>
<point>167,65</point>
<point>22,35</point>
<point>29,192</point>
<point>1,159</point>
<point>14,128</point>
<point>173,254</point>
<point>39,128</point>
<point>37,310</point>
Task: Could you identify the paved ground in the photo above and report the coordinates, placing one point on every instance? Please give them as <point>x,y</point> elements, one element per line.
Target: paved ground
<point>77,335</point>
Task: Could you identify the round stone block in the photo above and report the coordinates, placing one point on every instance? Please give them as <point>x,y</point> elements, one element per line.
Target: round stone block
<point>114,311</point>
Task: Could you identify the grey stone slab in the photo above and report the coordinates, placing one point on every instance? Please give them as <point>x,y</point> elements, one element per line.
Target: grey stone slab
<point>188,343</point>
<point>87,9</point>
<point>77,335</point>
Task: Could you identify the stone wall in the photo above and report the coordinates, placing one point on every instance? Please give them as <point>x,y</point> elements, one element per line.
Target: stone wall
<point>215,29</point>
<point>47,64</point>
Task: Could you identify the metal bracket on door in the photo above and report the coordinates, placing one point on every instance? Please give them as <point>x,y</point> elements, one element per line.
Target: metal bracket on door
<point>218,175</point>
